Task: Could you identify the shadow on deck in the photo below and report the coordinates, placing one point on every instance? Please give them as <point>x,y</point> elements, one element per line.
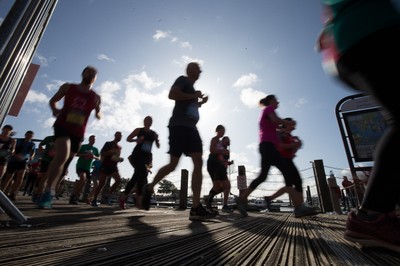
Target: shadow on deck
<point>106,235</point>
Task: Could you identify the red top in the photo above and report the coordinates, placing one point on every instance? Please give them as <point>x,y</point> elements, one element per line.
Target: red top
<point>78,104</point>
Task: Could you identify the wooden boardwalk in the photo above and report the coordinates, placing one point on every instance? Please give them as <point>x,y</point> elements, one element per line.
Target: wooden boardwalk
<point>84,235</point>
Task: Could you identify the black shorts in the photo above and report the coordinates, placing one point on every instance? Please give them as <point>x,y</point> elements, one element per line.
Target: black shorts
<point>44,166</point>
<point>184,140</point>
<point>216,169</point>
<point>15,166</point>
<point>108,170</point>
<point>75,141</point>
<point>79,171</point>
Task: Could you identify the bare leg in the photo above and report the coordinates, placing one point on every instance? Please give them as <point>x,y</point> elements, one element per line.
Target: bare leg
<point>197,177</point>
<point>62,146</point>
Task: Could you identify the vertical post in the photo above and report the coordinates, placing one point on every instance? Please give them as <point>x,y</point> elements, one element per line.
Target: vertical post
<point>184,190</point>
<point>308,193</point>
<point>322,186</point>
<point>335,193</point>
<point>241,179</point>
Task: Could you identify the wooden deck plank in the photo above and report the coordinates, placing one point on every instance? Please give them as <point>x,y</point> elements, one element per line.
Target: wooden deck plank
<point>84,235</point>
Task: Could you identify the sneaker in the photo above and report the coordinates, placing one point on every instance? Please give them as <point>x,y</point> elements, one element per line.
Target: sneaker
<point>268,203</point>
<point>383,232</point>
<point>73,200</point>
<point>122,202</point>
<point>303,210</point>
<point>212,210</point>
<point>146,197</point>
<point>94,203</point>
<point>242,206</point>
<point>200,213</point>
<point>226,208</point>
<point>45,200</point>
<point>105,200</point>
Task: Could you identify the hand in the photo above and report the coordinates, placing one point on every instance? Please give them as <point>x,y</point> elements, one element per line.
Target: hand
<point>204,99</point>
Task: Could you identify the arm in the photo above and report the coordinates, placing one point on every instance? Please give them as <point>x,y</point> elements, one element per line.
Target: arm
<point>131,137</point>
<point>177,94</point>
<point>213,146</point>
<point>32,153</point>
<point>12,147</point>
<point>98,108</point>
<point>157,141</point>
<point>62,91</point>
<point>279,121</point>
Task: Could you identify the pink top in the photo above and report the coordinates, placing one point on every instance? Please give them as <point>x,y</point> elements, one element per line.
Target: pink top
<point>267,128</point>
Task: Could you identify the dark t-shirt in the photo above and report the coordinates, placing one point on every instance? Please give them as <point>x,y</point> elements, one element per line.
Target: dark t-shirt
<point>110,160</point>
<point>185,113</point>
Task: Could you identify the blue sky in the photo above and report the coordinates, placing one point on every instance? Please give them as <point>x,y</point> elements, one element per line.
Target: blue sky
<point>247,49</point>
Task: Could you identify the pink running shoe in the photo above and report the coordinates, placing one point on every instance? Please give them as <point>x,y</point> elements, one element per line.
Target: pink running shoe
<point>384,232</point>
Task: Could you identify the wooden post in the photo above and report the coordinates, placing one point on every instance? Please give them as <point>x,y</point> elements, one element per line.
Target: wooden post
<point>322,186</point>
<point>184,190</point>
<point>335,193</point>
<point>241,179</point>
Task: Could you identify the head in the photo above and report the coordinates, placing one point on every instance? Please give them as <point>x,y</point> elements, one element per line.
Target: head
<point>7,130</point>
<point>193,71</point>
<point>220,130</point>
<point>29,135</point>
<point>89,75</point>
<point>289,128</point>
<point>92,139</point>
<point>269,100</point>
<point>117,136</point>
<point>226,141</point>
<point>148,121</point>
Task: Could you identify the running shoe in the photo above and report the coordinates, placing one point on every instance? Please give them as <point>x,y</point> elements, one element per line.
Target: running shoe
<point>383,232</point>
<point>268,203</point>
<point>242,206</point>
<point>212,210</point>
<point>73,200</point>
<point>94,203</point>
<point>146,197</point>
<point>45,200</point>
<point>226,208</point>
<point>35,197</point>
<point>303,210</point>
<point>200,214</point>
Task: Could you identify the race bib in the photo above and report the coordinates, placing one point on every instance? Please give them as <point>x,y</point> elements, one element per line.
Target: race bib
<point>75,118</point>
<point>146,146</point>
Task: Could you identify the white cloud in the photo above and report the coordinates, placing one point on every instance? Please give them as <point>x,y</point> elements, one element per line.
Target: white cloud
<point>104,57</point>
<point>123,102</point>
<point>246,81</point>
<point>160,35</point>
<point>185,59</point>
<point>142,79</point>
<point>300,102</point>
<point>48,123</point>
<point>36,97</point>
<point>250,97</point>
<point>43,61</point>
<point>54,85</point>
<point>186,45</point>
